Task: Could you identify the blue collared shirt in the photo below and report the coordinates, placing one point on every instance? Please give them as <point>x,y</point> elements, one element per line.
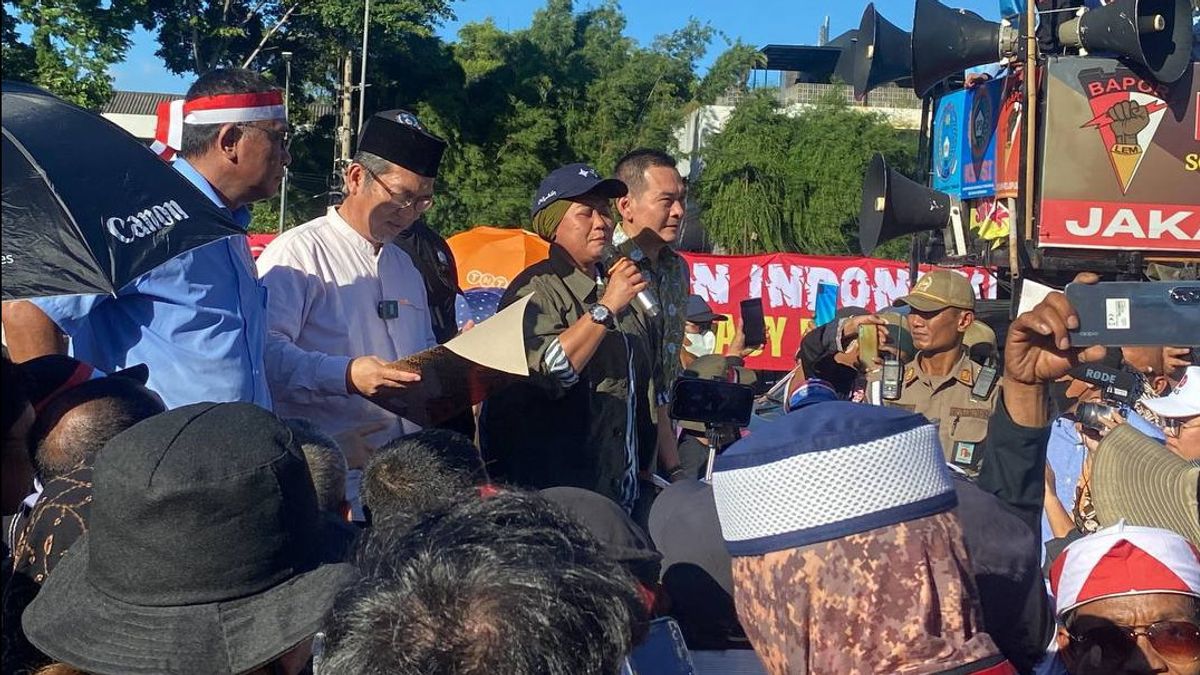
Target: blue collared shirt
<point>198,321</point>
<point>1065,453</point>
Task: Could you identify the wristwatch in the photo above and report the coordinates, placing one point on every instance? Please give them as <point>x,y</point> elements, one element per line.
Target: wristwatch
<point>601,315</point>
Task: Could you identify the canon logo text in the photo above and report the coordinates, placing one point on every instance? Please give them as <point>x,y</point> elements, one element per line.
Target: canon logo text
<point>146,222</point>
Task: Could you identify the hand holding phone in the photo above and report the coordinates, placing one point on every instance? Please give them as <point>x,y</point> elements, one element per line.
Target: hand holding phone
<point>1129,313</point>
<point>754,325</point>
<point>868,346</point>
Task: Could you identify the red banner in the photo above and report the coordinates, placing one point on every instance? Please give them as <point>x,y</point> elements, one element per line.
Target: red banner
<point>787,284</point>
<point>1121,226</point>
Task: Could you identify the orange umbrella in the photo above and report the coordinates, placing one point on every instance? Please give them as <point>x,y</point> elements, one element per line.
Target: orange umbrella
<point>491,257</point>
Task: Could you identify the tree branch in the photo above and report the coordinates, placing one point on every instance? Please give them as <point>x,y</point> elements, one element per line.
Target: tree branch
<point>254,11</point>
<point>261,43</point>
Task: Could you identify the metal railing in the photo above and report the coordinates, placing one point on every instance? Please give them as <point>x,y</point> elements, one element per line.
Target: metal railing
<point>808,93</point>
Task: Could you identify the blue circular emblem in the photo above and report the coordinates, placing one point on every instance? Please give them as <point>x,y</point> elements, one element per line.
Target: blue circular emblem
<point>946,146</point>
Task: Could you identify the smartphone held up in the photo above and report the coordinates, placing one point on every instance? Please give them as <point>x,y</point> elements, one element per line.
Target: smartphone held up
<point>1132,313</point>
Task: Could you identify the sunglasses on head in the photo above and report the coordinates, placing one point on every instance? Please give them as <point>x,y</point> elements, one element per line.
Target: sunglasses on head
<point>1177,641</point>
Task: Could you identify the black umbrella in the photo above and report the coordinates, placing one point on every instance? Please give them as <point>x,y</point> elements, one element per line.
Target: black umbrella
<point>87,207</point>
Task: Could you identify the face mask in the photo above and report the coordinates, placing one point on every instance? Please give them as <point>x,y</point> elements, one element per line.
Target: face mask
<point>702,344</point>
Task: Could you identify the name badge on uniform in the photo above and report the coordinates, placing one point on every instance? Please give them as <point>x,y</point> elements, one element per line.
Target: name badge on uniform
<point>964,453</point>
<point>388,309</point>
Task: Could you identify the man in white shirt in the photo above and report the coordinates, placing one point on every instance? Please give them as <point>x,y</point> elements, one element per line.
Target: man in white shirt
<point>343,300</point>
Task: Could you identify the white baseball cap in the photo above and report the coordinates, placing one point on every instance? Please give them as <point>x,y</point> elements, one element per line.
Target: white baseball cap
<point>1183,402</point>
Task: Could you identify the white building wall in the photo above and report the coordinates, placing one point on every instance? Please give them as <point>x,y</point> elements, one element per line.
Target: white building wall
<point>141,126</point>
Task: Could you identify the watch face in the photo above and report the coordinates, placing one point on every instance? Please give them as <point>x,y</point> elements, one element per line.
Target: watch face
<point>600,313</point>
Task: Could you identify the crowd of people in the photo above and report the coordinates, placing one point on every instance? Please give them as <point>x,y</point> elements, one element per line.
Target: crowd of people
<point>197,477</point>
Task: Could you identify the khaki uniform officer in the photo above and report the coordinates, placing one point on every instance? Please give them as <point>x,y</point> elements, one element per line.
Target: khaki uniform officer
<point>939,381</point>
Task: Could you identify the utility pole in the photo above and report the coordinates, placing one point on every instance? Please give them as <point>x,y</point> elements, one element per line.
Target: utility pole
<point>347,110</point>
<point>287,95</point>
<point>341,150</point>
<point>362,71</point>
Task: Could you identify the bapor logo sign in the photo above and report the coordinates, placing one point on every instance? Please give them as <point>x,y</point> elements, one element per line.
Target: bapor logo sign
<point>1127,111</point>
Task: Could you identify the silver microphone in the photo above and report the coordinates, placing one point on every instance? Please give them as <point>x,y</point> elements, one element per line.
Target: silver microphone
<point>645,299</point>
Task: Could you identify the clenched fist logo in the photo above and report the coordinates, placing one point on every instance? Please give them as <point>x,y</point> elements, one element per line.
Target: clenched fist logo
<point>1128,119</point>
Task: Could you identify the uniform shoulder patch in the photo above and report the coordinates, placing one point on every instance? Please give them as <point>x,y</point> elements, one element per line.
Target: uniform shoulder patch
<point>966,377</point>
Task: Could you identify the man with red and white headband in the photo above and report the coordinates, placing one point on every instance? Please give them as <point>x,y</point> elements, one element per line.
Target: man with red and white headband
<point>199,320</point>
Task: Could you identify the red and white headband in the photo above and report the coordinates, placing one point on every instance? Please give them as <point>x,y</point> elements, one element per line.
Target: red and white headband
<point>219,109</point>
<point>168,130</point>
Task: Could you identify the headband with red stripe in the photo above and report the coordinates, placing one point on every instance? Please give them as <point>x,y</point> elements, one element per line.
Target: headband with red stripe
<point>220,109</point>
<point>227,108</point>
<point>168,130</point>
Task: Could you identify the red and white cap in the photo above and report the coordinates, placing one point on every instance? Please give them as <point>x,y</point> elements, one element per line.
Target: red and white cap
<point>219,109</point>
<point>1124,560</point>
<point>1184,401</point>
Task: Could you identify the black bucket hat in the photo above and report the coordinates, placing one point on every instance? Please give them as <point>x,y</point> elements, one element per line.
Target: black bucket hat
<point>203,553</point>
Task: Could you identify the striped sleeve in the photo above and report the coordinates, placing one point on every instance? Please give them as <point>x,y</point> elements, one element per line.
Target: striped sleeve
<point>557,363</point>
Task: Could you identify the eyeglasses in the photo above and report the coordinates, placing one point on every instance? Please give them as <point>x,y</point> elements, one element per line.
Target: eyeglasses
<point>421,203</point>
<point>1175,425</point>
<point>283,138</point>
<point>1176,641</point>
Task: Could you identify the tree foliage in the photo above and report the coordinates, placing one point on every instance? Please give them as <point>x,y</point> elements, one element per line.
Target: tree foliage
<point>571,87</point>
<point>69,44</point>
<point>778,180</point>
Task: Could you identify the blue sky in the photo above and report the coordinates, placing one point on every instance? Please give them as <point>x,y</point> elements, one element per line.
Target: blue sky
<point>757,22</point>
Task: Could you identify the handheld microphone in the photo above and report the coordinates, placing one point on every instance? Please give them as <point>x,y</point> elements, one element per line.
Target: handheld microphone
<point>645,299</point>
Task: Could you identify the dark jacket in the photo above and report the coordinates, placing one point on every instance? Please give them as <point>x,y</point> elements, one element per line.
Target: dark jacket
<point>540,433</point>
<point>1018,609</point>
<point>1017,612</point>
<point>435,261</point>
<point>1016,466</point>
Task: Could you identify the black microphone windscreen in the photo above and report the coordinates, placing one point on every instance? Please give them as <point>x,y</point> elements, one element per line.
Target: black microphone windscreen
<point>609,256</point>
